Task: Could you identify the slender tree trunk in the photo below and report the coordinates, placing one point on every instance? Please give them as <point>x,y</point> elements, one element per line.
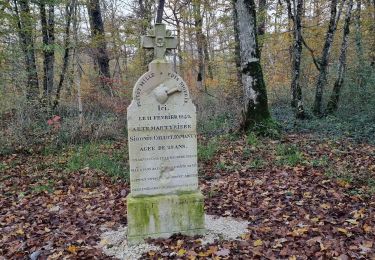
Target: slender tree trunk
<point>99,41</point>
<point>179,49</point>
<point>322,78</point>
<point>237,50</point>
<point>78,74</point>
<point>334,99</point>
<point>160,10</point>
<point>254,88</point>
<point>25,27</point>
<point>48,25</point>
<point>207,56</point>
<point>358,44</point>
<point>145,13</point>
<point>68,12</point>
<point>198,23</point>
<point>262,16</point>
<point>296,89</point>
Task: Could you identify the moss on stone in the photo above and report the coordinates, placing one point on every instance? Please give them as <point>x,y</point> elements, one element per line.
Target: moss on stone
<point>164,215</point>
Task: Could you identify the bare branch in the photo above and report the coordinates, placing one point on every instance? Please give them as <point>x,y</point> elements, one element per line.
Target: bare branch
<point>316,62</point>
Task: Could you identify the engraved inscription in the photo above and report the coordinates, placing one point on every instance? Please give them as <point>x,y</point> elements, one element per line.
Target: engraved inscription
<point>162,136</point>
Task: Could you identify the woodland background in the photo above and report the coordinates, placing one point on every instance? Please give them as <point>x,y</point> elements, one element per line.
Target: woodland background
<point>300,167</point>
<point>80,59</point>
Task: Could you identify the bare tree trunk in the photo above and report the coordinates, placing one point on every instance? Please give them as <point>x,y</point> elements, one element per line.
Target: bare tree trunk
<point>48,48</point>
<point>198,23</point>
<point>145,13</point>
<point>262,16</point>
<point>296,89</point>
<point>237,50</point>
<point>322,78</point>
<point>254,88</point>
<point>98,38</point>
<point>334,99</point>
<point>68,12</point>
<point>160,10</point>
<point>358,43</point>
<point>78,74</point>
<point>25,28</point>
<point>179,49</point>
<point>207,56</point>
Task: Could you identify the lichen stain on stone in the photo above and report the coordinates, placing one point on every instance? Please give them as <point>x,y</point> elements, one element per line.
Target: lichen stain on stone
<point>165,214</point>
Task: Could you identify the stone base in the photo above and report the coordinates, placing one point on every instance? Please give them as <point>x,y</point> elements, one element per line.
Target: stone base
<point>164,215</point>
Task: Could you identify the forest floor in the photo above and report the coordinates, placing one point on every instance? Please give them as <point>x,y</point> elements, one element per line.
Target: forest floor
<point>305,196</point>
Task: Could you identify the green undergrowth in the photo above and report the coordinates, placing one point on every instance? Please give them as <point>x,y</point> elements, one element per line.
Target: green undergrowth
<point>206,151</point>
<point>267,128</point>
<point>353,119</point>
<point>100,157</point>
<point>288,154</point>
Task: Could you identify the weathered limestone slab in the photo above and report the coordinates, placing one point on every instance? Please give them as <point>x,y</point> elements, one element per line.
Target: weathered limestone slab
<point>164,197</point>
<point>162,216</point>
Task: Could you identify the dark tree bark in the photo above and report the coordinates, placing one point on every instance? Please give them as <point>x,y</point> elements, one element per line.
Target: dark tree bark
<point>237,50</point>
<point>207,56</point>
<point>160,10</point>
<point>334,99</point>
<point>99,41</point>
<point>48,31</point>
<point>322,78</point>
<point>296,89</point>
<point>68,11</point>
<point>145,14</point>
<point>254,88</point>
<point>198,23</point>
<point>25,29</point>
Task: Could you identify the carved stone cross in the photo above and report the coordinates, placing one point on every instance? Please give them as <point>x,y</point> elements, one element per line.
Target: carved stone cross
<point>160,41</point>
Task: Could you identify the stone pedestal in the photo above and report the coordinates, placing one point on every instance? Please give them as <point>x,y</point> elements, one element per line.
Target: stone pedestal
<point>164,215</point>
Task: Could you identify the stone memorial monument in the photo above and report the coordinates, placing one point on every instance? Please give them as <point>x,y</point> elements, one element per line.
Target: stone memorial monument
<point>164,197</point>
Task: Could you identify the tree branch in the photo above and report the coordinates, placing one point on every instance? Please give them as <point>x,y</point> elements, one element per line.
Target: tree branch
<point>316,62</point>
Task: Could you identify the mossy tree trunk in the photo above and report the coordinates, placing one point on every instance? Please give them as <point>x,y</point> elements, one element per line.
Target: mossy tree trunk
<point>254,89</point>
<point>334,99</point>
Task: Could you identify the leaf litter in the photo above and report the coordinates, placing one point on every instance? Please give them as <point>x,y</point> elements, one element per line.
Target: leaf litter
<point>302,196</point>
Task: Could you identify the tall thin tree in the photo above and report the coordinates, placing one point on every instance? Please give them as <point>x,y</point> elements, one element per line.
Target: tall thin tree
<point>295,12</point>
<point>335,95</point>
<point>323,64</point>
<point>48,31</point>
<point>69,7</point>
<point>25,31</point>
